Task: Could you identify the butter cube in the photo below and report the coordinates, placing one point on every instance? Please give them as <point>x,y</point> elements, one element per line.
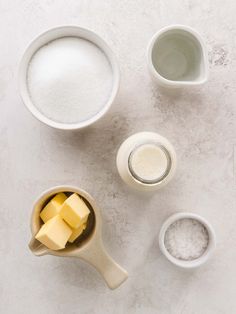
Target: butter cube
<point>53,207</point>
<point>54,233</point>
<point>76,233</point>
<point>74,211</point>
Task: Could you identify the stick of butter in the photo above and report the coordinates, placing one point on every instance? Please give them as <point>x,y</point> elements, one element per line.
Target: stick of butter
<point>53,207</point>
<point>74,211</point>
<point>76,233</point>
<point>54,233</point>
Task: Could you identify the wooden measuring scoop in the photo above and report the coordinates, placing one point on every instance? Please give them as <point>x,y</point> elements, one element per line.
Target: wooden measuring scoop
<point>89,246</point>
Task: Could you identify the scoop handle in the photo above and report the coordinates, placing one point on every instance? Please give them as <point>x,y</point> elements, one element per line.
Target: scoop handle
<point>97,256</point>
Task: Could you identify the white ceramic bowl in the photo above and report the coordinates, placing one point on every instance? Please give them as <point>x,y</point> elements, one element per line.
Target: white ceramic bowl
<point>177,57</point>
<point>196,262</point>
<point>48,36</point>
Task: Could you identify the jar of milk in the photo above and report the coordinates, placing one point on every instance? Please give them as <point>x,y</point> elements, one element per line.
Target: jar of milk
<point>146,161</point>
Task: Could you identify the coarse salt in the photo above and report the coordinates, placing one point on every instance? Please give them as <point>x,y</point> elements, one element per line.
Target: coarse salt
<point>186,239</point>
<point>69,80</point>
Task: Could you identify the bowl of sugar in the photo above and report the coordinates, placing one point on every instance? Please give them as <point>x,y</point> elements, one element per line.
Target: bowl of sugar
<point>187,240</point>
<point>68,77</point>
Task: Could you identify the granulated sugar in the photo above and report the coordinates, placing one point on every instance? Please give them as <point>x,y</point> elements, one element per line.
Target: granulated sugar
<point>186,239</point>
<point>69,80</point>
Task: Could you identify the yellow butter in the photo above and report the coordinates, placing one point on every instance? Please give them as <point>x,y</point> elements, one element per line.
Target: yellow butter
<point>54,233</point>
<point>76,233</point>
<point>74,211</point>
<point>53,207</point>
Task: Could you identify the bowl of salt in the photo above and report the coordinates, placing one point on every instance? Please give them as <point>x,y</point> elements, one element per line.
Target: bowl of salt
<point>187,240</point>
<point>68,77</point>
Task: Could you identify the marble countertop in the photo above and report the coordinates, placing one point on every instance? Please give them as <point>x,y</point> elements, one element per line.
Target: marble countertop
<point>199,122</point>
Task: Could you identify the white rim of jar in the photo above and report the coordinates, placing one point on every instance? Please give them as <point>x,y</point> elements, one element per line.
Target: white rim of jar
<point>124,151</point>
<point>154,181</point>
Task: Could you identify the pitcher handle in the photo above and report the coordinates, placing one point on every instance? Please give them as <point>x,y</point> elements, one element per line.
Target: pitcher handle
<point>97,256</point>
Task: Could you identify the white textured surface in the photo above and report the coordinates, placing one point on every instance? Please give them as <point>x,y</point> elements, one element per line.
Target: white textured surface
<point>201,125</point>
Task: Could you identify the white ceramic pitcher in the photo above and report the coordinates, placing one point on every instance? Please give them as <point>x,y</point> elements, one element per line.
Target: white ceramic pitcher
<point>177,57</point>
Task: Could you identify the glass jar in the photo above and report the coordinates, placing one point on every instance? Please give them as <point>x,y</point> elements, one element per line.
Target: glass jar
<point>146,161</point>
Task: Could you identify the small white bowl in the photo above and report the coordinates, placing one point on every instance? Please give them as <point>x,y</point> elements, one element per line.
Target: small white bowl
<point>43,39</point>
<point>196,262</point>
<point>177,57</point>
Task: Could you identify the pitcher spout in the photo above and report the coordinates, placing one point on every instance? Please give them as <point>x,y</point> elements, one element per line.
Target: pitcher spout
<point>37,248</point>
